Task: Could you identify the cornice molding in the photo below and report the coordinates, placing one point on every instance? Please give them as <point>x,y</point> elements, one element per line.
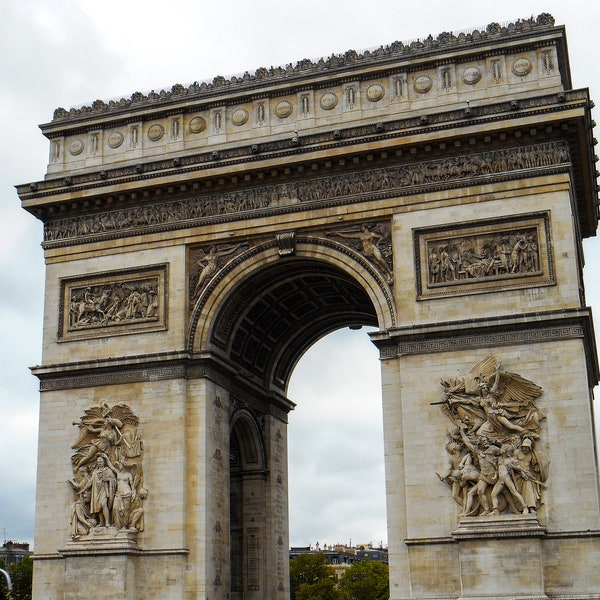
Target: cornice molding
<point>510,330</point>
<point>351,60</point>
<point>352,136</point>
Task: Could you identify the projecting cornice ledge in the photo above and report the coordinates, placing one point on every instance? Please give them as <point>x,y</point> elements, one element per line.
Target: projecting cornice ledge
<point>509,330</point>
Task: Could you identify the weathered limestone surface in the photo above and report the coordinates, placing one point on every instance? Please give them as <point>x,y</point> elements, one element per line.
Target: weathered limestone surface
<point>199,240</point>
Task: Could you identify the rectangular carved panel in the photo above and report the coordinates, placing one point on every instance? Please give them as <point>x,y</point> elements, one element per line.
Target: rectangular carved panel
<point>113,303</point>
<point>484,256</point>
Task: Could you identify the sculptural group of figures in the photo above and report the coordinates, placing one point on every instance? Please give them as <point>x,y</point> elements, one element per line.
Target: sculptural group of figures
<point>107,477</point>
<point>495,464</point>
<point>113,303</point>
<point>477,258</point>
<point>309,190</point>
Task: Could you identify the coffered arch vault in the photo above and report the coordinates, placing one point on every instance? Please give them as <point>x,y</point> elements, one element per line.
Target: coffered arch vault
<point>263,310</point>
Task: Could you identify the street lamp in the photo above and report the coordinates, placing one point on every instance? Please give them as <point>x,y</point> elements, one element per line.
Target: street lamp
<point>7,577</point>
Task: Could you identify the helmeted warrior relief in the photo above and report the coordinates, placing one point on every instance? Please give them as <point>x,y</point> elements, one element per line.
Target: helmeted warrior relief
<point>495,464</point>
<point>374,242</point>
<point>108,479</point>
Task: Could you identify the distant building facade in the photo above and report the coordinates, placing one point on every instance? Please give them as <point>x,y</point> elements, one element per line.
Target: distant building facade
<point>343,556</point>
<point>14,552</point>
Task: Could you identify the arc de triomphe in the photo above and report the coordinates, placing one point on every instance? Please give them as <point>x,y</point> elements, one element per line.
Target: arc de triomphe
<point>198,240</point>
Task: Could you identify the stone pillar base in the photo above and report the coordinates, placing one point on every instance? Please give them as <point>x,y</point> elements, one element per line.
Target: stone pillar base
<point>501,557</point>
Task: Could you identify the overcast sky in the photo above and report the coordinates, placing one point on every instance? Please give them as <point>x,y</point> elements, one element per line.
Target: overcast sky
<point>66,53</point>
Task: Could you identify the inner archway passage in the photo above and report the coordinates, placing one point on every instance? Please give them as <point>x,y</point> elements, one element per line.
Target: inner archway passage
<point>275,315</point>
<point>335,447</point>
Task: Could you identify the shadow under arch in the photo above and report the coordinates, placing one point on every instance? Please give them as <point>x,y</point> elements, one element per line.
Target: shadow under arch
<point>262,311</point>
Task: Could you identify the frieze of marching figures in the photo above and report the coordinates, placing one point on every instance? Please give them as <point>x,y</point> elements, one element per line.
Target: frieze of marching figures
<point>495,461</point>
<point>108,479</point>
<point>355,185</point>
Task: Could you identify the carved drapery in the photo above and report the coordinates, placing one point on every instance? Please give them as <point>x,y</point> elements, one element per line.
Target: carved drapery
<point>495,461</point>
<point>108,478</point>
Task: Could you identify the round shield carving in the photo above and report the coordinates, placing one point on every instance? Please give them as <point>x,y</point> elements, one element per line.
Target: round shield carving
<point>115,139</point>
<point>423,83</point>
<point>329,101</point>
<point>522,67</point>
<point>155,132</point>
<point>76,147</point>
<point>239,116</point>
<point>471,76</point>
<point>283,109</point>
<point>197,125</point>
<point>375,92</point>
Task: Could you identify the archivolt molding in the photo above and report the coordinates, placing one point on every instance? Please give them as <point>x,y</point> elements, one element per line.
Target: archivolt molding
<point>324,249</point>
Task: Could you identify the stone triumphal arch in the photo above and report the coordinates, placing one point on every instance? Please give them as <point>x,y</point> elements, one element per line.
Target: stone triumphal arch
<point>199,240</point>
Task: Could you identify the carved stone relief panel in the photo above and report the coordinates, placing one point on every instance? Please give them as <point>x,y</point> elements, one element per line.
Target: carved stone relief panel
<point>108,478</point>
<point>484,256</point>
<point>113,303</point>
<point>495,461</point>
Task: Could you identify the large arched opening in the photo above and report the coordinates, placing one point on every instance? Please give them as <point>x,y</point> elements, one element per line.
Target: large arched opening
<point>335,444</point>
<point>259,320</point>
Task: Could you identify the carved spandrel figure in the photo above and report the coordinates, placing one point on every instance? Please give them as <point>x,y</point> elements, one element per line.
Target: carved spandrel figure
<point>369,240</point>
<point>114,493</point>
<point>206,264</point>
<point>496,419</point>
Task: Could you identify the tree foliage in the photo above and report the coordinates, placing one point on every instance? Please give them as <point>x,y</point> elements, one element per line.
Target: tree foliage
<point>367,580</point>
<point>312,577</point>
<point>21,575</point>
<point>325,589</point>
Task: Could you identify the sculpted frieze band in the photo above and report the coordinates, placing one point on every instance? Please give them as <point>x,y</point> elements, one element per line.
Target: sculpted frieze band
<point>113,302</point>
<point>402,178</point>
<point>496,464</point>
<point>108,478</point>
<point>480,256</point>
